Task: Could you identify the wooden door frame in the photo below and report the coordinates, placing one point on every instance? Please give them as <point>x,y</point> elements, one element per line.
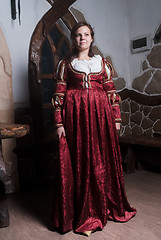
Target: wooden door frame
<point>58,10</point>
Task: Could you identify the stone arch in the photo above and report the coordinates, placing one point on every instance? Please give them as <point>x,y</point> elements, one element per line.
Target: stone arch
<point>7,110</point>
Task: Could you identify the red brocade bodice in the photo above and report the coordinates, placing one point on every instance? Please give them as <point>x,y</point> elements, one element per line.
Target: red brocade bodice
<point>68,78</point>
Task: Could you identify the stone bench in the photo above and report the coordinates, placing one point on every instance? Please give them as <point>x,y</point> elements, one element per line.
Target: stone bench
<point>140,127</point>
<point>130,142</point>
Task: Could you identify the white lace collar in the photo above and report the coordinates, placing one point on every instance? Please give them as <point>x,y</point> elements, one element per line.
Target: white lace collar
<point>93,65</point>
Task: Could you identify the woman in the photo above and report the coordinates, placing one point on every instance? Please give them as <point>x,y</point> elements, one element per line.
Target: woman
<point>90,189</point>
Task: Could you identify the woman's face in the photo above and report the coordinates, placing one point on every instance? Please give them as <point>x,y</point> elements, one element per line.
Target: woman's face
<point>83,38</point>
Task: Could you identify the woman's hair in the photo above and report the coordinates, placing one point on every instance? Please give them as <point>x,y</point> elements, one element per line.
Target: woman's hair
<point>74,50</point>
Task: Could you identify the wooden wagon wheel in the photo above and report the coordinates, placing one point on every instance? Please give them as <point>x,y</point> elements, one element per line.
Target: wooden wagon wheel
<point>47,46</point>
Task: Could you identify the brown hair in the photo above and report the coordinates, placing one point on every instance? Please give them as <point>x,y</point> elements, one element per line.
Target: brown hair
<point>74,50</point>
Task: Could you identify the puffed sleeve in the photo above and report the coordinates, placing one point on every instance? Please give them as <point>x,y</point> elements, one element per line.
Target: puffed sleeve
<point>60,76</point>
<point>109,87</point>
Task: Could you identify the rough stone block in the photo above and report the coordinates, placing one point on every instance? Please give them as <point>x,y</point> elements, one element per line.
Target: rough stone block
<point>125,118</point>
<point>157,126</point>
<point>155,113</point>
<point>145,65</point>
<point>119,84</point>
<point>127,131</point>
<point>136,117</point>
<point>146,110</point>
<point>137,130</point>
<point>140,82</point>
<point>134,107</point>
<point>154,87</point>
<point>154,57</point>
<point>146,123</point>
<point>125,106</point>
<point>149,132</point>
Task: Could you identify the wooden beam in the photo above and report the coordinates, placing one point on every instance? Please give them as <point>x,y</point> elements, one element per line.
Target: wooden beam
<point>51,2</point>
<point>69,20</point>
<point>52,16</point>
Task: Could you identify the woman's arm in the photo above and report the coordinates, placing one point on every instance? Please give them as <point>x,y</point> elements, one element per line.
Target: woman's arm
<point>110,90</point>
<point>60,76</point>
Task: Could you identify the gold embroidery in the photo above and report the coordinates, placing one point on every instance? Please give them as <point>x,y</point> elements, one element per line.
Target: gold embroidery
<point>114,97</point>
<point>62,72</point>
<point>57,110</point>
<point>117,119</point>
<point>115,105</point>
<point>63,83</point>
<point>108,81</point>
<point>89,78</point>
<point>59,94</point>
<point>86,75</point>
<point>111,91</point>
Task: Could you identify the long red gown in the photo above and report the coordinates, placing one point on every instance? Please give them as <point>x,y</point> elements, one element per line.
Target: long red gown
<point>90,184</point>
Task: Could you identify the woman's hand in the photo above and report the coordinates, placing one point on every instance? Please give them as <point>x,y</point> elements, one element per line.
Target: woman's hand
<point>60,132</point>
<point>117,126</point>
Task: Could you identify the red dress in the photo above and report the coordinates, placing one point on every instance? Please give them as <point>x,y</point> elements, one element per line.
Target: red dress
<point>90,184</point>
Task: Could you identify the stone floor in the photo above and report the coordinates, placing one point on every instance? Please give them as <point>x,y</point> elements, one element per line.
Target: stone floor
<point>30,212</point>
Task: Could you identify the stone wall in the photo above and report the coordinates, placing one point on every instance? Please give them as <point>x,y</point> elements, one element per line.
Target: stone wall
<point>140,119</point>
<point>144,118</point>
<point>149,82</point>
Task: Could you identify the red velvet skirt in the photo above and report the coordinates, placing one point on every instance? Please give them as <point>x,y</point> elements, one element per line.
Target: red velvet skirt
<point>90,184</point>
